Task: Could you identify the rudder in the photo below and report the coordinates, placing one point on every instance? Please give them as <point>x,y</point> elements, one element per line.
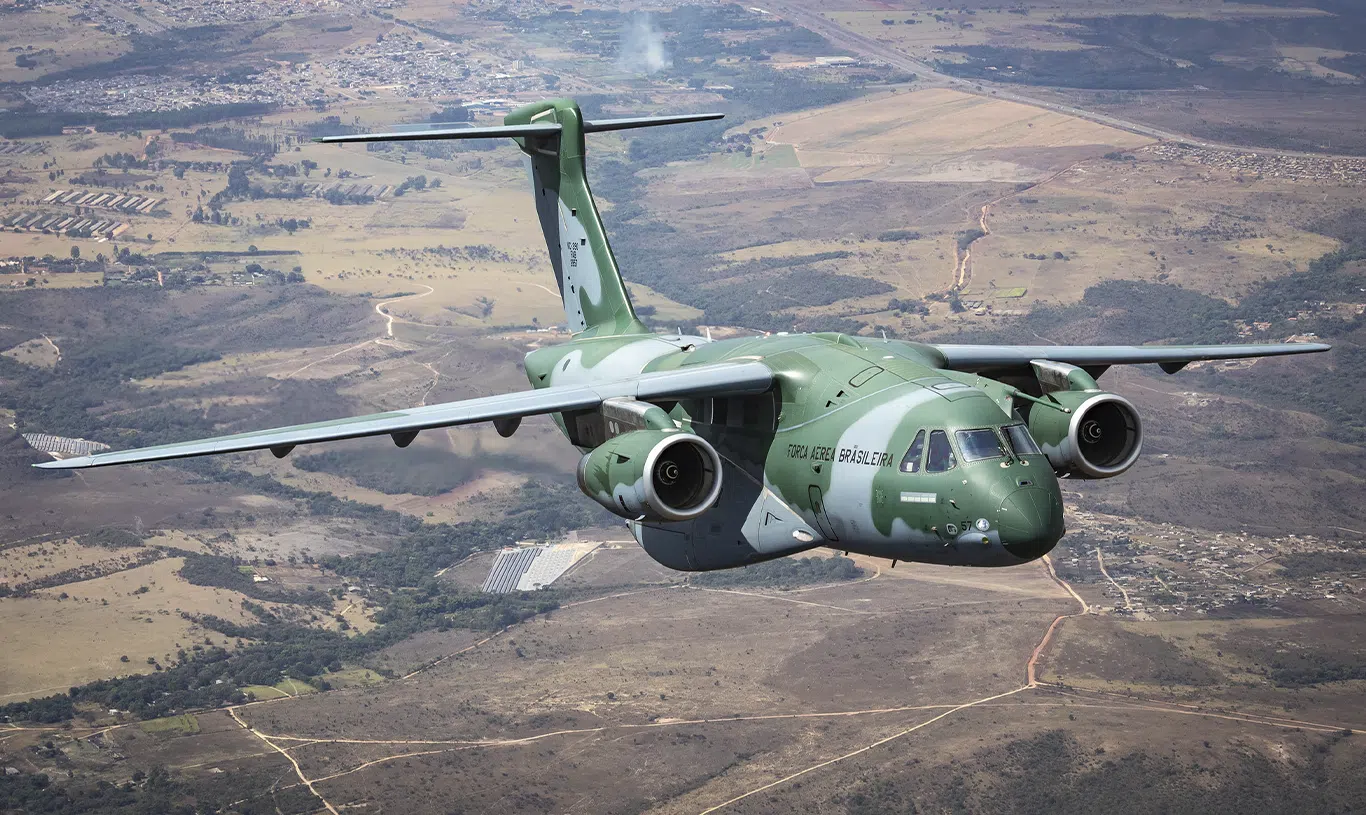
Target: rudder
<point>595,298</point>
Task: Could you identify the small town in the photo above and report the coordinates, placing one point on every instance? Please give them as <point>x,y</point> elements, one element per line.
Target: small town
<point>1157,570</point>
<point>1334,170</point>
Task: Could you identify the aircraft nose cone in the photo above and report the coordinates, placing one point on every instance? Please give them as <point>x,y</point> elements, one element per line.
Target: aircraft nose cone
<point>1030,522</point>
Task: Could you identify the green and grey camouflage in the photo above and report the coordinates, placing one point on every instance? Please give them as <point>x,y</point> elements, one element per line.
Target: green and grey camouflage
<point>720,454</point>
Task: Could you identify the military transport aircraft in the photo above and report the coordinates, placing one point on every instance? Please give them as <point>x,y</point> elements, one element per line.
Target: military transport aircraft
<point>731,452</point>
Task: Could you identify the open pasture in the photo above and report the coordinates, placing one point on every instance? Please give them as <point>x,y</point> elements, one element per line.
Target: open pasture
<point>1183,221</point>
<point>941,135</point>
<point>32,562</point>
<point>78,632</point>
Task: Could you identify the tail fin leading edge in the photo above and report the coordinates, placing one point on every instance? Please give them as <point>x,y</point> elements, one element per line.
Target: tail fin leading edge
<point>551,135</point>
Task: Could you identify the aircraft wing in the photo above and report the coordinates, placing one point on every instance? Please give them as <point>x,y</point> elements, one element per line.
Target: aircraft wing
<point>1172,358</point>
<point>720,379</point>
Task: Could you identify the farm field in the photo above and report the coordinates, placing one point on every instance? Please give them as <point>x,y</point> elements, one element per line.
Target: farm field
<point>940,135</point>
<point>77,632</point>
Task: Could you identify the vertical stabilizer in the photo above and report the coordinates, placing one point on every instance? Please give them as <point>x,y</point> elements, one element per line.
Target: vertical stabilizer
<point>594,295</point>
<point>551,134</point>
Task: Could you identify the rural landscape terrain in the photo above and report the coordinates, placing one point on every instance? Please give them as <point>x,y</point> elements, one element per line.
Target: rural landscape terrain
<point>179,258</point>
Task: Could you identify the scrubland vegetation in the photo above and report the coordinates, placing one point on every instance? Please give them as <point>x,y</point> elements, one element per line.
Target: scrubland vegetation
<point>784,573</point>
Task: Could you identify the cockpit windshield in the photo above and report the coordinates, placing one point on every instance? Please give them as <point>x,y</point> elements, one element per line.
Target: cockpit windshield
<point>910,463</point>
<point>979,444</point>
<point>940,457</point>
<point>1020,440</point>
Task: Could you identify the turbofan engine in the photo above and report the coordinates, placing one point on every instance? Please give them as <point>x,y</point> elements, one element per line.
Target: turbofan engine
<point>653,475</point>
<point>1100,436</point>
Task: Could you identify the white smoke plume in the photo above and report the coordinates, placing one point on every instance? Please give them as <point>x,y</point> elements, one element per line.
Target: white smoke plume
<point>642,47</point>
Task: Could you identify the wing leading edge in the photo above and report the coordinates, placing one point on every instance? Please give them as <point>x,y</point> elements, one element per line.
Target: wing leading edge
<point>701,380</point>
<point>1172,358</point>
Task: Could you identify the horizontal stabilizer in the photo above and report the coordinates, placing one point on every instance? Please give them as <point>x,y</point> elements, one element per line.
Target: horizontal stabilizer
<point>428,133</point>
<point>604,125</point>
<point>408,127</point>
<point>500,131</point>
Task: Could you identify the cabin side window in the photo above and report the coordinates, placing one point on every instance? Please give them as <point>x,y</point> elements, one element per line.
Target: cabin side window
<point>1020,441</point>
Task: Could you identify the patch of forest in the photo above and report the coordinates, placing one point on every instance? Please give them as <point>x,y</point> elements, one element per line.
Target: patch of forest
<point>1292,664</point>
<point>112,538</point>
<point>416,470</point>
<point>1352,64</point>
<point>156,791</point>
<point>226,573</point>
<point>22,124</point>
<point>1055,772</point>
<point>784,573</point>
<point>89,571</point>
<point>1298,565</point>
<point>229,138</point>
<point>1155,51</point>
<point>113,337</point>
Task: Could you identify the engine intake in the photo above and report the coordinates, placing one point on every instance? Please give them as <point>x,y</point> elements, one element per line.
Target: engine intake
<point>1100,438</point>
<point>653,475</point>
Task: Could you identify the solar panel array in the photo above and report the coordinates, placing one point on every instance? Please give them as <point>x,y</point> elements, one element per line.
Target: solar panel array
<point>59,444</point>
<point>547,567</point>
<point>509,568</point>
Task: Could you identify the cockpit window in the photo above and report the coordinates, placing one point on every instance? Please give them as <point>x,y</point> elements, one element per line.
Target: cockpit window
<point>979,444</point>
<point>910,463</point>
<point>1020,440</point>
<point>941,453</point>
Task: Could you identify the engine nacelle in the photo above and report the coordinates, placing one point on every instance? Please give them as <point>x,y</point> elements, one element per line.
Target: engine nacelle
<point>653,475</point>
<point>1100,437</point>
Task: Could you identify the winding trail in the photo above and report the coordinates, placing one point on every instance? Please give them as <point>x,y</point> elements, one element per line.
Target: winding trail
<point>389,319</point>
<point>298,371</point>
<point>863,749</point>
<point>1031,679</point>
<point>232,711</point>
<point>549,291</point>
<point>55,349</point>
<point>962,272</point>
<point>1100,562</point>
<point>1030,683</point>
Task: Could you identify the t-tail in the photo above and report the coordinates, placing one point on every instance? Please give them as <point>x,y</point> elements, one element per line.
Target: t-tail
<point>551,134</point>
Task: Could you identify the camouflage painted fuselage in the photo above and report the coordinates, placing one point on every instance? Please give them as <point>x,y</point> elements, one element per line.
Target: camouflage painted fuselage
<point>818,461</point>
<point>720,454</point>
